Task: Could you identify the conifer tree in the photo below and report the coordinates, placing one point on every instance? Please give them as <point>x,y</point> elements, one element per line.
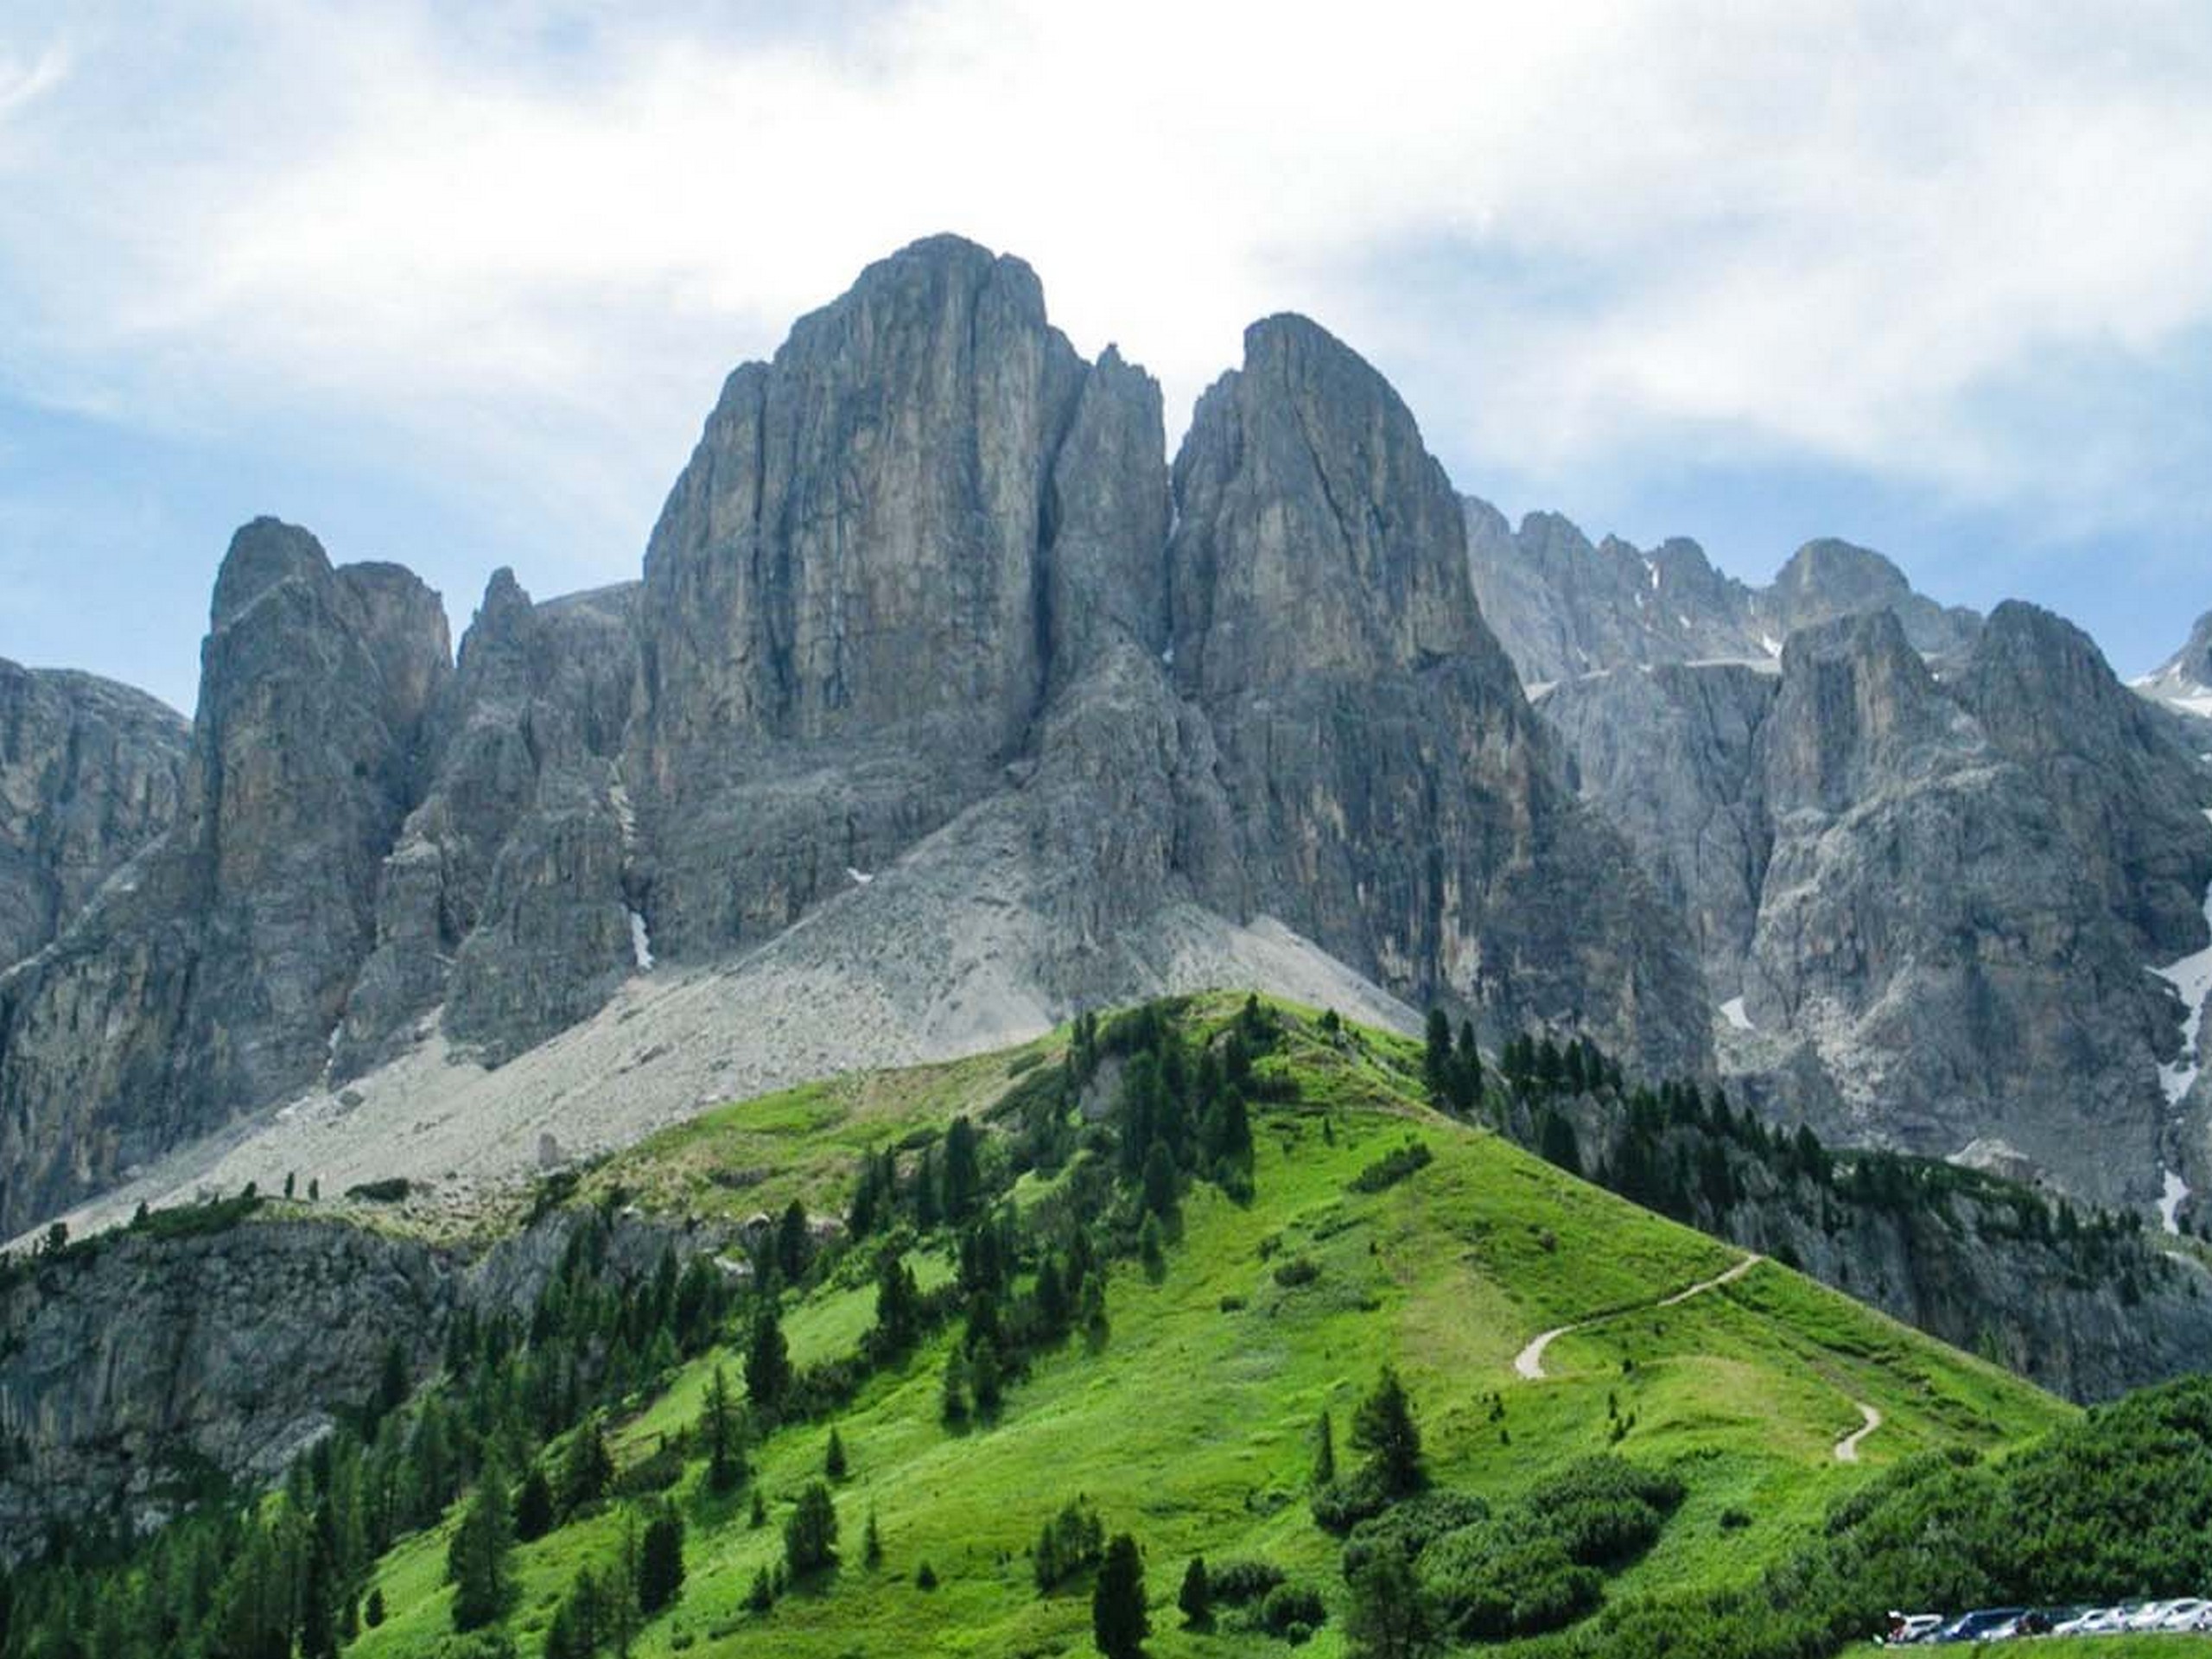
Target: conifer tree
<point>533,1506</point>
<point>586,1468</point>
<point>1118,1624</point>
<point>1195,1598</point>
<point>964,1174</point>
<point>476,1561</point>
<point>1384,1427</point>
<point>1436,1057</point>
<point>810,1535</point>
<point>767,1362</point>
<point>660,1561</point>
<point>723,1433</point>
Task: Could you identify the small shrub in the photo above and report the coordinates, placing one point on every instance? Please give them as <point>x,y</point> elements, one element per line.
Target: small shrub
<point>392,1189</point>
<point>1292,1606</point>
<point>1236,1583</point>
<point>1299,1270</point>
<point>1392,1167</point>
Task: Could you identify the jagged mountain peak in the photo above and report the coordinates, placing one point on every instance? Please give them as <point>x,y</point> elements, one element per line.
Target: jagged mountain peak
<point>264,553</point>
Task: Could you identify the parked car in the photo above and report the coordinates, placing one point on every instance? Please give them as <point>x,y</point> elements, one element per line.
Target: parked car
<point>1904,1629</point>
<point>1980,1625</point>
<point>2187,1614</point>
<point>2149,1615</point>
<point>2096,1621</point>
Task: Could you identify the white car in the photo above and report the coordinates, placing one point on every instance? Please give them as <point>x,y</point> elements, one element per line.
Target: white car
<point>2186,1615</point>
<point>1906,1628</point>
<point>2148,1616</point>
<point>2096,1622</point>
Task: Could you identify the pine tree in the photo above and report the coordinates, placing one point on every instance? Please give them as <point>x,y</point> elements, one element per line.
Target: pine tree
<point>1051,1298</point>
<point>723,1433</point>
<point>1152,1249</point>
<point>757,1516</point>
<point>1195,1598</point>
<point>871,1543</point>
<point>1390,1617</point>
<point>660,1562</point>
<point>1384,1427</point>
<point>1436,1057</point>
<point>833,1457</point>
<point>587,1469</point>
<point>985,1384</point>
<point>1466,1071</point>
<point>318,1617</point>
<point>793,1246</point>
<point>762,1594</point>
<point>810,1535</point>
<point>898,1306</point>
<point>373,1609</point>
<point>533,1506</point>
<point>1159,1180</point>
<point>767,1362</point>
<point>1118,1624</point>
<point>964,1174</point>
<point>476,1561</point>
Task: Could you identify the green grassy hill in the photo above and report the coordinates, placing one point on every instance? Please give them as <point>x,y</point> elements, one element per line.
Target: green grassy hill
<point>1191,1427</point>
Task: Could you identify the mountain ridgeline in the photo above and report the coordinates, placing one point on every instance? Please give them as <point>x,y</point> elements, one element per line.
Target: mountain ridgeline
<point>1939,868</point>
<point>928,593</point>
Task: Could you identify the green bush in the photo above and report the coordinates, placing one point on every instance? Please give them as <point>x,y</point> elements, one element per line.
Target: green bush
<point>1292,1606</point>
<point>1234,1583</point>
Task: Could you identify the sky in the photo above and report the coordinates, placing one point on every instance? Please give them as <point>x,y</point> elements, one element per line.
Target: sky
<point>456,285</point>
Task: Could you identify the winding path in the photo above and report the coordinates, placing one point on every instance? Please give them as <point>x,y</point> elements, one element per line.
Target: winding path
<point>1846,1449</point>
<point>1529,1361</point>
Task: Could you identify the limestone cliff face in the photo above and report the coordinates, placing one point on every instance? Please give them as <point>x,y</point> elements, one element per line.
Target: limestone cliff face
<point>127,1372</point>
<point>844,595</point>
<point>90,773</point>
<point>505,899</point>
<point>1393,797</point>
<point>131,1369</point>
<point>1937,907</point>
<point>209,976</point>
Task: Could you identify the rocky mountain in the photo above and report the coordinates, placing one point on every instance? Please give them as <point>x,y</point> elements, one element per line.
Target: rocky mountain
<point>2183,682</point>
<point>90,773</point>
<point>1929,904</point>
<point>943,708</point>
<point>211,974</point>
<point>1563,607</point>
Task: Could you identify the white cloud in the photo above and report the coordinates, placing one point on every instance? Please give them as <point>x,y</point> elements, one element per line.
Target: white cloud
<point>1819,227</point>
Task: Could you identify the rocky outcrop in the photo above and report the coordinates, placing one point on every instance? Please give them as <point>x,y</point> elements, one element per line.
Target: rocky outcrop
<point>128,1373</point>
<point>90,773</point>
<point>1563,607</point>
<point>1668,755</point>
<point>1934,906</point>
<point>134,1367</point>
<point>506,898</point>
<point>2183,682</point>
<point>845,626</point>
<point>1392,795</point>
<point>209,976</point>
